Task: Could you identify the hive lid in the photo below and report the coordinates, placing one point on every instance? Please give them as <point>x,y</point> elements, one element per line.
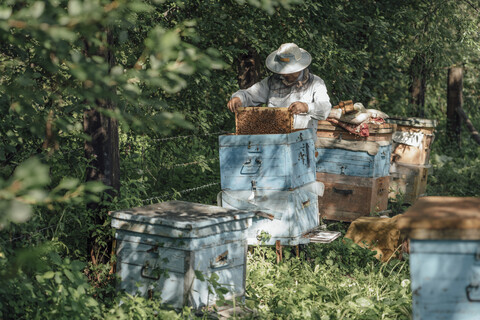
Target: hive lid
<point>373,128</point>
<point>442,218</point>
<point>413,122</point>
<point>251,141</point>
<point>181,215</point>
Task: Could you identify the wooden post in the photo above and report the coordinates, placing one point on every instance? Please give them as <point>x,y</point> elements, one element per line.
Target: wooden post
<point>454,102</point>
<point>417,87</point>
<point>278,249</point>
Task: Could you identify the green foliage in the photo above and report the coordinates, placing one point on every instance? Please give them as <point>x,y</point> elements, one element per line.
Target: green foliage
<point>138,308</point>
<point>334,281</point>
<point>173,70</point>
<point>38,284</point>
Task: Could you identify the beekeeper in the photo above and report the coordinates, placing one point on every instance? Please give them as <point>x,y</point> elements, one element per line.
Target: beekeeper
<point>292,85</point>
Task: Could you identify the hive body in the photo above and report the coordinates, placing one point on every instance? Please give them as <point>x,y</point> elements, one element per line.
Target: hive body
<point>269,161</point>
<point>292,213</point>
<point>444,237</point>
<point>162,246</point>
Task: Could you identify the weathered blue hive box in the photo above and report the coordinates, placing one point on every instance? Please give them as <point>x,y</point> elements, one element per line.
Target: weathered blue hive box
<point>444,237</point>
<point>267,161</point>
<point>339,151</point>
<point>285,216</point>
<point>160,247</point>
<point>371,163</point>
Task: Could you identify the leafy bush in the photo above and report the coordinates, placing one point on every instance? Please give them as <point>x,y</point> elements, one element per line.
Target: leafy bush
<point>39,284</point>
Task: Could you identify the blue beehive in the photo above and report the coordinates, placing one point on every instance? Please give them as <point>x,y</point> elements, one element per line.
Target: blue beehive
<point>286,216</point>
<point>444,237</point>
<point>362,159</point>
<point>161,247</point>
<point>267,161</point>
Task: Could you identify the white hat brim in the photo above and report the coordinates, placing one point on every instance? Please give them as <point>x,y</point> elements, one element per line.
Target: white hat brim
<point>288,67</point>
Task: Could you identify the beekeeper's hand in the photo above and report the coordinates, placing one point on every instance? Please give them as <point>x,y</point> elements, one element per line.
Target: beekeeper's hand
<point>234,103</point>
<point>298,107</point>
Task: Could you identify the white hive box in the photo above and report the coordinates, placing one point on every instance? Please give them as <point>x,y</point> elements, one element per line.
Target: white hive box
<point>285,215</point>
<point>161,246</point>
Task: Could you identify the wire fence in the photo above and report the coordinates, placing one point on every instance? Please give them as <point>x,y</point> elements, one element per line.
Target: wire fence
<point>190,136</point>
<point>165,197</point>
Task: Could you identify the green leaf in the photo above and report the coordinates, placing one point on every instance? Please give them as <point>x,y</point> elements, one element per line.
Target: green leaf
<point>67,184</point>
<point>199,275</point>
<point>364,302</point>
<point>69,275</point>
<point>37,9</point>
<point>18,212</point>
<point>5,13</point>
<point>74,7</point>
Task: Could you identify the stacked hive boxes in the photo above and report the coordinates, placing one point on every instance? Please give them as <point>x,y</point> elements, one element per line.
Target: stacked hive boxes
<point>162,247</point>
<point>271,173</point>
<point>411,147</point>
<point>354,170</point>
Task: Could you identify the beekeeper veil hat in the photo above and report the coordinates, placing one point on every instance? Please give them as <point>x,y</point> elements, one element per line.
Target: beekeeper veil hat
<point>289,58</point>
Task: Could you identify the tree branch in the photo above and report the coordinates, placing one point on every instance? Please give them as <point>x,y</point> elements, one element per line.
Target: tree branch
<point>468,124</point>
<point>471,5</point>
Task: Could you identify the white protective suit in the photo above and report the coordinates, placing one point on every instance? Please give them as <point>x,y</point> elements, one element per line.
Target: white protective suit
<point>273,92</point>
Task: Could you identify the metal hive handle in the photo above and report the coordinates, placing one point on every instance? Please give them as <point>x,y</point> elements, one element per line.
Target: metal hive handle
<point>143,273</point>
<point>468,289</point>
<point>343,192</point>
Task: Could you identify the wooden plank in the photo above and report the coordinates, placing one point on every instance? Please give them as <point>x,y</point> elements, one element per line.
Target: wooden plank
<point>442,213</point>
<point>263,120</point>
<point>372,127</point>
<point>345,135</point>
<point>447,234</point>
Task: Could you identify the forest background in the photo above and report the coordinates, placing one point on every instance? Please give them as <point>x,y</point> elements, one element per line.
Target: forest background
<point>108,105</point>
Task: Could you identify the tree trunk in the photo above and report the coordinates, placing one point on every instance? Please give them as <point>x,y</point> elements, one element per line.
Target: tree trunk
<point>417,87</point>
<point>454,102</point>
<point>102,152</point>
<point>248,69</point>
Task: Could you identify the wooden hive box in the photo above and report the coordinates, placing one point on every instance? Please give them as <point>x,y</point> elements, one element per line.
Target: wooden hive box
<point>263,120</point>
<point>347,198</point>
<point>409,181</point>
<point>444,235</point>
<point>412,140</point>
<point>161,246</point>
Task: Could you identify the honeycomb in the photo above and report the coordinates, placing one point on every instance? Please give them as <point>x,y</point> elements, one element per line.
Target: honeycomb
<point>263,120</point>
